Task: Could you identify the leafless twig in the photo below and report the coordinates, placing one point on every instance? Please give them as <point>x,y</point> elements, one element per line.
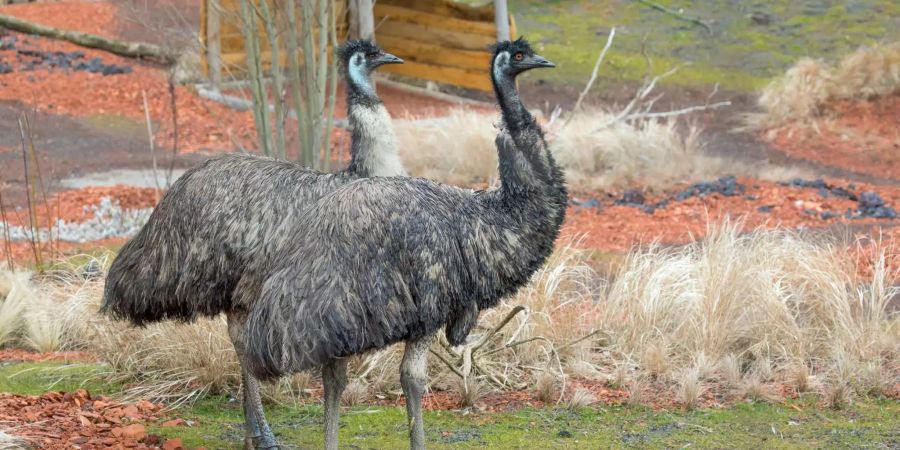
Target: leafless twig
<point>152,145</point>
<point>597,64</point>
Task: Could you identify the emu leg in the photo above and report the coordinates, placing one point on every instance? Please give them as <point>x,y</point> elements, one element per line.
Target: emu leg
<point>413,379</point>
<point>257,434</point>
<point>334,377</point>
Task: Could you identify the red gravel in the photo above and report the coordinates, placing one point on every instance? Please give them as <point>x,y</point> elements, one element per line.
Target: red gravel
<point>65,420</point>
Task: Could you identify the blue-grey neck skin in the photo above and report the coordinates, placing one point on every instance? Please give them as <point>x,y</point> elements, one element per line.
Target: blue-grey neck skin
<point>373,144</point>
<point>360,88</point>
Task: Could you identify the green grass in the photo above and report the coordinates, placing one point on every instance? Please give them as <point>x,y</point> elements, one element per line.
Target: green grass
<point>739,54</point>
<point>866,424</point>
<point>40,377</point>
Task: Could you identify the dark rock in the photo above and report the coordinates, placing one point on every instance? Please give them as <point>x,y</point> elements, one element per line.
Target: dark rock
<point>5,68</point>
<point>764,209</point>
<point>589,203</point>
<point>870,204</point>
<point>632,197</point>
<point>727,186</point>
<point>564,434</point>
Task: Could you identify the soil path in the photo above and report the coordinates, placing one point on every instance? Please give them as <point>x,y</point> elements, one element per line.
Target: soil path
<point>70,147</point>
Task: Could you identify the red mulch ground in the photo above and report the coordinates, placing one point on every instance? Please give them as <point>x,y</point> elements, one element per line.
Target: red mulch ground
<point>65,420</point>
<point>20,355</point>
<point>617,227</point>
<point>862,136</point>
<point>203,124</point>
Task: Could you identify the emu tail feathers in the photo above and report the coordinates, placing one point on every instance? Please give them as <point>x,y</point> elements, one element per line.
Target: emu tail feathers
<point>266,351</point>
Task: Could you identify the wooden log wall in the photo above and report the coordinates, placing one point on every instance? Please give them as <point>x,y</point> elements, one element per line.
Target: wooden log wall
<point>440,40</point>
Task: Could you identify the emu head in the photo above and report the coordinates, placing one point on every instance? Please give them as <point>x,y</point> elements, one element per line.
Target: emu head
<point>360,57</point>
<point>511,58</point>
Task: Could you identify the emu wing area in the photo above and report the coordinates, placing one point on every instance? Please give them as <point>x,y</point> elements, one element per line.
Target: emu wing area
<point>378,261</point>
<point>187,260</point>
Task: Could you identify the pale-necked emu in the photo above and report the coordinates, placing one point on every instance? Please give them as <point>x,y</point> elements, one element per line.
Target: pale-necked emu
<point>221,218</point>
<point>383,260</point>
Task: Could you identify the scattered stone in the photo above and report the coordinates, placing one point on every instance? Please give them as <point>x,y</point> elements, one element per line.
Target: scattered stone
<point>764,209</point>
<point>825,190</point>
<point>870,204</point>
<point>173,444</point>
<point>174,423</point>
<point>134,431</point>
<point>727,186</point>
<point>564,434</point>
<point>632,197</point>
<point>32,59</point>
<point>589,203</point>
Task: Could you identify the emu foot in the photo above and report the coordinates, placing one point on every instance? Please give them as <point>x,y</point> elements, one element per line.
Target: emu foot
<point>263,442</point>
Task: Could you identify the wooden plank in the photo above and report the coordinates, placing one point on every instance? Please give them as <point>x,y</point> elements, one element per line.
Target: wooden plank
<point>401,14</point>
<point>451,75</point>
<point>418,51</point>
<point>434,35</point>
<point>446,8</point>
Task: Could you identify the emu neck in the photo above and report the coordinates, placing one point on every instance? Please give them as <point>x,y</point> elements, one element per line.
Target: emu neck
<point>373,144</point>
<point>525,165</point>
<point>512,109</point>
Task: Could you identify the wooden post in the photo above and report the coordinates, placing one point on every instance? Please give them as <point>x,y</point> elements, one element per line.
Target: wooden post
<point>214,43</point>
<point>501,19</point>
<point>362,19</point>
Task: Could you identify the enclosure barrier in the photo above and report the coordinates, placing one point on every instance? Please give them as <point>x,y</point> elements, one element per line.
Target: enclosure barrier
<point>440,40</point>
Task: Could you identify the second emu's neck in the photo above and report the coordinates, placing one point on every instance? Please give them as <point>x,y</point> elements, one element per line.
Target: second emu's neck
<point>373,144</point>
<point>530,205</point>
<point>527,166</point>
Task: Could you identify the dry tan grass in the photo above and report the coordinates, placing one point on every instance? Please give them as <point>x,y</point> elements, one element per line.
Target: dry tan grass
<point>764,303</point>
<point>690,388</point>
<point>459,149</point>
<point>580,399</point>
<point>546,386</point>
<point>16,294</point>
<point>800,94</point>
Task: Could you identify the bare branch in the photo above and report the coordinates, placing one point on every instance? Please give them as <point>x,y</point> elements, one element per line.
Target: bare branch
<point>590,83</point>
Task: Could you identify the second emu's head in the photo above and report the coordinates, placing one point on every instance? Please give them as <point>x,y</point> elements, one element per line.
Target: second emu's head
<point>361,57</point>
<point>511,58</point>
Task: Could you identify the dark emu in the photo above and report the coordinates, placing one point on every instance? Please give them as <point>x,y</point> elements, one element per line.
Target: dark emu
<point>225,216</point>
<point>383,260</point>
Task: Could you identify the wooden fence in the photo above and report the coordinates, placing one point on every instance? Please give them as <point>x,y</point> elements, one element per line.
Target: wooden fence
<point>441,40</point>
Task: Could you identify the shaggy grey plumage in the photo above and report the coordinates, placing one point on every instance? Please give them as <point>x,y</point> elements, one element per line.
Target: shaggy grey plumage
<point>224,216</point>
<point>383,260</point>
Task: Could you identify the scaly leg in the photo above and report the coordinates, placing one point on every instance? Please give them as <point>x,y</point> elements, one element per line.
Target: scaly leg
<point>413,379</point>
<point>334,377</point>
<point>257,434</point>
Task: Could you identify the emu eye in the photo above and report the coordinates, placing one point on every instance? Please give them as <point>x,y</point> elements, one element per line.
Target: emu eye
<point>519,56</point>
<point>371,54</point>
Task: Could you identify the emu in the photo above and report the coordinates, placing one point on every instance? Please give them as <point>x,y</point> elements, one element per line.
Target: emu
<point>384,260</point>
<point>210,227</point>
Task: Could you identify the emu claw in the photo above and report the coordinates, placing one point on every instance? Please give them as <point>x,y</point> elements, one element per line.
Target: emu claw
<point>265,442</point>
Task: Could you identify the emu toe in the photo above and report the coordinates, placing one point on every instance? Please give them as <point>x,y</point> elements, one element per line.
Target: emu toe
<point>264,442</point>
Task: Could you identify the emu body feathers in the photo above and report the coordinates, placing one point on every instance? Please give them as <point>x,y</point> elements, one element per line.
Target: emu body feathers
<point>382,260</point>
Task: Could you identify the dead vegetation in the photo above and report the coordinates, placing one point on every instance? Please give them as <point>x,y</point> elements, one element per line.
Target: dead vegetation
<point>596,150</point>
<point>744,312</point>
<point>803,92</point>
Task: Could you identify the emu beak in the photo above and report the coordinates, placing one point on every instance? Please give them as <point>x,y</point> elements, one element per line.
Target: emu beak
<point>387,58</point>
<point>539,61</point>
